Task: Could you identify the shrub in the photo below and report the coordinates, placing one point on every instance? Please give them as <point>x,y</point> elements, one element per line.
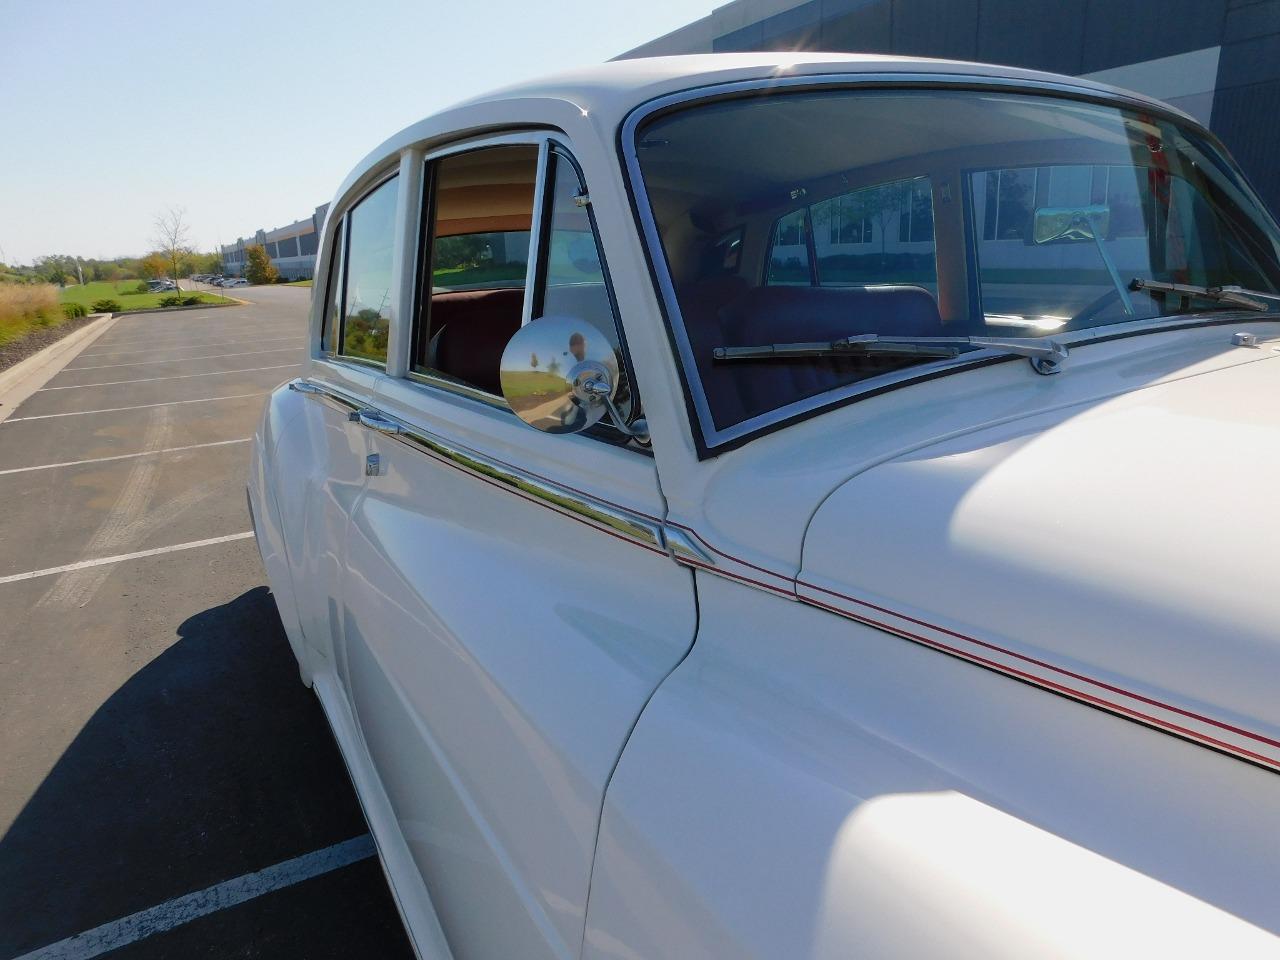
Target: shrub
<point>191,301</point>
<point>26,305</point>
<point>172,300</point>
<point>105,306</point>
<point>142,287</point>
<point>73,310</point>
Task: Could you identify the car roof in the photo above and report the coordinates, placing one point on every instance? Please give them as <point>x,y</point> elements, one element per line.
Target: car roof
<point>606,93</point>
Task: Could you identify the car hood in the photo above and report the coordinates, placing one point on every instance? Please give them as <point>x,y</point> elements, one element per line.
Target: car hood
<point>1123,552</point>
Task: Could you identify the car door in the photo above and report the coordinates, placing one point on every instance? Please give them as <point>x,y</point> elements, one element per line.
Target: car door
<point>510,606</point>
<point>320,459</point>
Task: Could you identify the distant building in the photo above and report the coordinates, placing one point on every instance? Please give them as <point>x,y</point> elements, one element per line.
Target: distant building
<point>291,248</point>
<point>1218,60</point>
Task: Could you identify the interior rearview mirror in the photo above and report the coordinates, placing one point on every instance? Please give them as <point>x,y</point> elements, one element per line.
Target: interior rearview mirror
<point>1069,224</point>
<point>559,375</point>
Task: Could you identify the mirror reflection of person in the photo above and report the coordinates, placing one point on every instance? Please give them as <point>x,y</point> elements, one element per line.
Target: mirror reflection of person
<point>575,415</point>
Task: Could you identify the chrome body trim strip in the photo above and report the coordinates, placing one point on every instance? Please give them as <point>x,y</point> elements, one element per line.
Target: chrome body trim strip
<point>684,549</point>
<point>709,437</point>
<point>607,518</point>
<point>345,402</point>
<point>617,521</point>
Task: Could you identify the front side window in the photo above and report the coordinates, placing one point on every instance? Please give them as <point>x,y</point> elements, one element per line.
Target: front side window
<point>472,302</point>
<point>926,214</point>
<point>366,315</point>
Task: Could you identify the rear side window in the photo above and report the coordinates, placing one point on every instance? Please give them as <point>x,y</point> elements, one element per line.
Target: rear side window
<point>366,316</point>
<point>874,235</point>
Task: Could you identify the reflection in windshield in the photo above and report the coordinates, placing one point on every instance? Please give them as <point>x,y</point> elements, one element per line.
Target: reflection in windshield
<point>1014,213</point>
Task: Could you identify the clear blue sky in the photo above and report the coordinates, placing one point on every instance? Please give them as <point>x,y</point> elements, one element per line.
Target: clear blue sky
<point>249,114</point>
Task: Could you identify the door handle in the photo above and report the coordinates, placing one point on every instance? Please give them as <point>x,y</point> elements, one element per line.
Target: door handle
<point>376,421</point>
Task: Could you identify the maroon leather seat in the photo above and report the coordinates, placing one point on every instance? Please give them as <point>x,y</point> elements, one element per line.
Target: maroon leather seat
<point>471,329</point>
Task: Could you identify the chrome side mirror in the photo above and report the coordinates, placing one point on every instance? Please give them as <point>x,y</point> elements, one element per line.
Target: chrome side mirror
<point>560,375</point>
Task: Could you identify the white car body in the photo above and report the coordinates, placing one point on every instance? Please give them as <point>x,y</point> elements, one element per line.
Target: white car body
<point>985,666</point>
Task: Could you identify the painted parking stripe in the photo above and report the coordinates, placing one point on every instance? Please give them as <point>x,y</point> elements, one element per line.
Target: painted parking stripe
<point>112,349</point>
<point>182,336</point>
<point>123,456</point>
<point>215,356</point>
<point>120,558</point>
<point>176,912</point>
<point>176,376</point>
<point>141,406</point>
<point>184,344</point>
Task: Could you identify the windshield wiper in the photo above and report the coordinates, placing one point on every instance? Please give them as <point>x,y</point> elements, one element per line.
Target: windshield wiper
<point>1046,355</point>
<point>1227,294</point>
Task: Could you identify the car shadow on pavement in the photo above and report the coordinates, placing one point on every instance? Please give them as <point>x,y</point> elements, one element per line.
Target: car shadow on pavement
<point>212,761</point>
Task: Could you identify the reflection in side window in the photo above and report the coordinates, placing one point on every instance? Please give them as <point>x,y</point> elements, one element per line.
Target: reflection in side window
<point>573,284</point>
<point>366,320</point>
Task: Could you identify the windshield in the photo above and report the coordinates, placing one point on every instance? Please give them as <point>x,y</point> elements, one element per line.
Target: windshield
<point>820,215</point>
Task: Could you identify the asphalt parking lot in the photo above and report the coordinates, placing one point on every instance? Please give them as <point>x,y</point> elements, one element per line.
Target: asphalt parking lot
<point>163,767</point>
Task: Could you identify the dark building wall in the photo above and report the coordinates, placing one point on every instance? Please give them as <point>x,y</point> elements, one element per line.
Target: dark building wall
<point>1247,100</point>
<point>1066,36</point>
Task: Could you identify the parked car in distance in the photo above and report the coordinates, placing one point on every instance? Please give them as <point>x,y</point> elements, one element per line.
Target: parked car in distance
<point>236,282</point>
<point>796,506</point>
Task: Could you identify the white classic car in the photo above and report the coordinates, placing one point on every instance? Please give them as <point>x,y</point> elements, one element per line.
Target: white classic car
<point>821,506</point>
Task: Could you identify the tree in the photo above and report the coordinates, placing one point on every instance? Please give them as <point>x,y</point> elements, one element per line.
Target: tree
<point>258,267</point>
<point>171,237</point>
<point>55,268</point>
<point>153,265</point>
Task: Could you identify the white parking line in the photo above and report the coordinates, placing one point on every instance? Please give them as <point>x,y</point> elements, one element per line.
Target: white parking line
<point>215,356</point>
<point>141,406</point>
<point>112,349</point>
<point>122,456</point>
<point>184,336</point>
<point>176,376</point>
<point>184,344</point>
<point>102,561</point>
<point>176,912</point>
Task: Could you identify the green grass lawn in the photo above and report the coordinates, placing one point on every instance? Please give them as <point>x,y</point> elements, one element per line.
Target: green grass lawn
<point>125,293</point>
<point>298,283</point>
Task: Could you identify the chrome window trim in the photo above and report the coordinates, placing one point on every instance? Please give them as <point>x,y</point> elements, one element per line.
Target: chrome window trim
<point>537,229</point>
<point>609,518</point>
<point>708,439</point>
<point>436,381</point>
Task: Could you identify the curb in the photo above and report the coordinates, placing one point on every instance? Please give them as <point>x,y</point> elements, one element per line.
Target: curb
<point>23,379</point>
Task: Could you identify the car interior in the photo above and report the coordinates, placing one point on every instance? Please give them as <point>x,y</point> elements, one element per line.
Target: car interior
<point>479,236</point>
<point>774,215</point>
